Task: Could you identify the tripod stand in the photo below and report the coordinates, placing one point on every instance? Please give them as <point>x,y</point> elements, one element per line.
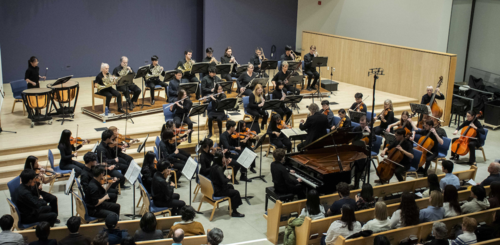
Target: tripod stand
<point>141,73</point>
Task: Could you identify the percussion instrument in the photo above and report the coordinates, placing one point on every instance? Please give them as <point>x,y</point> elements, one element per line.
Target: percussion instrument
<point>63,94</point>
<point>36,99</point>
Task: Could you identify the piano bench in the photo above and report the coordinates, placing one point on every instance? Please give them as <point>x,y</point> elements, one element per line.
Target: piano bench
<point>271,194</point>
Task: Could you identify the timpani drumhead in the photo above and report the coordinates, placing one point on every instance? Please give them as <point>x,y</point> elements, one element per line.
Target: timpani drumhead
<point>67,91</point>
<point>37,98</point>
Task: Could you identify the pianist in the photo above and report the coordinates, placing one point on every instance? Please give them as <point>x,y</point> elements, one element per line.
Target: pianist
<point>283,182</point>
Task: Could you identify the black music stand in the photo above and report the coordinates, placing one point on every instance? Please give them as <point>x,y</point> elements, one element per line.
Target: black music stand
<point>260,143</point>
<point>389,138</point>
<point>125,81</point>
<point>241,69</point>
<point>200,67</point>
<point>294,80</point>
<point>262,81</point>
<point>62,81</point>
<point>356,115</point>
<point>226,86</point>
<point>272,105</point>
<point>190,88</point>
<point>143,146</point>
<point>223,68</point>
<point>269,65</point>
<point>319,62</point>
<point>168,75</point>
<point>141,73</point>
<point>294,99</point>
<point>421,109</point>
<point>197,111</point>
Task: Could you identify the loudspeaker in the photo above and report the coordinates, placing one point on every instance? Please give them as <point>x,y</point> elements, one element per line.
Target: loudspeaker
<point>492,112</point>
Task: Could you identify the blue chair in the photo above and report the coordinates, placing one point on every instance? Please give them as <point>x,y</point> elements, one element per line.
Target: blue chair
<point>414,164</point>
<point>12,185</point>
<point>63,173</point>
<point>376,148</point>
<point>169,115</point>
<point>416,139</point>
<point>82,211</point>
<point>17,218</point>
<point>354,124</point>
<point>18,86</point>
<point>369,116</point>
<point>207,190</point>
<point>442,151</point>
<point>482,139</point>
<point>157,142</point>
<point>148,204</point>
<point>335,121</point>
<point>246,101</point>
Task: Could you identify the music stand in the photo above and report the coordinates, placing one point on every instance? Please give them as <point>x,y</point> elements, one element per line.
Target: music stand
<point>223,68</point>
<point>245,159</point>
<point>421,109</point>
<point>272,104</point>
<point>319,62</point>
<point>141,73</point>
<point>200,67</point>
<point>356,115</point>
<point>262,81</point>
<point>125,81</point>
<point>197,111</point>
<point>389,138</point>
<point>62,81</point>
<point>226,86</point>
<point>293,65</point>
<point>260,143</point>
<point>294,99</point>
<point>241,69</point>
<point>168,75</point>
<point>269,65</point>
<point>143,146</point>
<point>189,87</point>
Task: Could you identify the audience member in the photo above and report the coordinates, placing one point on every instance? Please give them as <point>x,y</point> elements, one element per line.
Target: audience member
<point>450,202</point>
<point>188,225</point>
<point>365,198</point>
<point>494,194</point>
<point>7,236</point>
<point>381,240</point>
<point>128,241</point>
<point>343,190</point>
<point>346,226</point>
<point>178,236</point>
<point>494,170</point>
<point>440,234</point>
<point>479,201</point>
<point>115,235</point>
<point>148,229</point>
<point>435,211</point>
<point>74,238</point>
<point>449,178</point>
<point>408,212</point>
<point>215,236</point>
<point>381,221</point>
<point>42,232</point>
<point>313,209</point>
<point>468,237</point>
<point>433,182</point>
<point>100,239</point>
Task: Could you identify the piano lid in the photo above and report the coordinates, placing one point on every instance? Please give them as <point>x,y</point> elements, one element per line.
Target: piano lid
<point>341,136</point>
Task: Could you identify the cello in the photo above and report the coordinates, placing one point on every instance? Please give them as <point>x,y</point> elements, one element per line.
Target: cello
<point>424,145</point>
<point>434,109</point>
<point>386,168</point>
<point>461,145</point>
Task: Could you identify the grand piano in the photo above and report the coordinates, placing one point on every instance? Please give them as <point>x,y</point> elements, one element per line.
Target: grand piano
<point>317,164</point>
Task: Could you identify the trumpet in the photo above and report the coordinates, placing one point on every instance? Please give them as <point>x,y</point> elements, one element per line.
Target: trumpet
<point>263,56</point>
<point>232,57</point>
<point>214,60</point>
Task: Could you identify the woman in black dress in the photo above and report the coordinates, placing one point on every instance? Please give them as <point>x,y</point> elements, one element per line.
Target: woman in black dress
<point>246,142</point>
<point>181,112</point>
<point>214,114</point>
<point>148,170</point>
<point>279,94</point>
<point>66,150</point>
<point>254,108</point>
<point>206,156</point>
<point>276,137</point>
<point>32,75</point>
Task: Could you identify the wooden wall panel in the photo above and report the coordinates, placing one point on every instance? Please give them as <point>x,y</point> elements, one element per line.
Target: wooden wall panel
<point>408,71</point>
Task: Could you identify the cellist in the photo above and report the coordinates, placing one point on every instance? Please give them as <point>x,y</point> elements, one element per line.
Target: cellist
<point>406,147</point>
<point>434,136</point>
<point>473,143</point>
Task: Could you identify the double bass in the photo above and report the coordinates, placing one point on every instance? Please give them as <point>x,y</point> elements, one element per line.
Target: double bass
<point>461,145</point>
<point>436,111</point>
<point>387,167</point>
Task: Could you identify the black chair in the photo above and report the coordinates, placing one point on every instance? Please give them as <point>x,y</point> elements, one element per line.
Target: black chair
<point>459,109</point>
<point>271,194</point>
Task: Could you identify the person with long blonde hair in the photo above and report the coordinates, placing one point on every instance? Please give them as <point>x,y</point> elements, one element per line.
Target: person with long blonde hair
<point>386,117</point>
<point>254,108</point>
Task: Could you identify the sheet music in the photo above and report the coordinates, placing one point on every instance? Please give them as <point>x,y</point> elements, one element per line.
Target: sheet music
<point>133,172</point>
<point>293,132</point>
<point>69,183</point>
<point>472,182</point>
<point>246,158</point>
<point>190,168</point>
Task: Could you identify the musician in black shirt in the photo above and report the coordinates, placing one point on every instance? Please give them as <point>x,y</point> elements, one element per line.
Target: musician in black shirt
<point>283,183</point>
<point>162,192</point>
<point>90,159</point>
<point>315,125</point>
<point>309,70</point>
<point>257,59</point>
<point>32,75</point>
<point>109,92</point>
<point>32,163</point>
<point>181,110</point>
<point>107,156</point>
<point>254,107</point>
<point>406,147</point>
<point>360,131</point>
<point>279,93</point>
<point>206,156</point>
<point>244,79</point>
<point>99,202</point>
<point>210,58</point>
<point>170,152</point>
<point>276,137</point>
<point>473,143</point>
<point>66,151</point>
<point>173,86</point>
<point>359,105</point>
<point>208,82</point>
<point>434,136</point>
<point>124,69</point>
<point>148,170</point>
<point>426,98</point>
<point>284,75</point>
<point>228,58</point>
<point>230,144</point>
<point>385,120</point>
<point>288,54</point>
<point>153,79</point>
<point>188,76</point>
<point>213,113</point>
<point>325,109</point>
<point>344,122</point>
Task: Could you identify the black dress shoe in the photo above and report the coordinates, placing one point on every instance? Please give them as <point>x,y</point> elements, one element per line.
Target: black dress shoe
<point>308,88</point>
<point>121,110</point>
<point>125,187</point>
<point>57,221</point>
<point>253,170</point>
<point>209,136</point>
<point>237,215</point>
<point>245,179</point>
<point>132,106</point>
<point>152,102</point>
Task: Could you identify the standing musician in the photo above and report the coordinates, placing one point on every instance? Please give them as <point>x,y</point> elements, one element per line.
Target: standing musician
<point>153,77</point>
<point>283,75</point>
<point>325,110</point>
<point>309,70</point>
<point>283,183</point>
<point>386,117</point>
<point>162,192</point>
<point>210,58</point>
<point>105,81</point>
<point>122,70</point>
<point>275,136</point>
<point>206,156</point>
<point>32,163</point>
<point>473,143</point>
<point>221,184</point>
<point>257,59</point>
<point>316,125</point>
<point>187,76</point>
<point>107,156</point>
<point>254,108</point>
<point>434,136</point>
<point>215,114</point>
<point>344,122</point>
<point>359,105</point>
<point>209,81</point>
<point>32,75</point>
<point>244,79</point>
<point>405,123</point>
<point>279,93</point>
<point>170,152</point>
<point>406,147</point>
<point>227,142</point>
<point>181,109</point>
<point>288,54</point>
<point>66,150</point>
<point>228,58</point>
<point>361,139</point>
<point>90,159</point>
<point>32,207</point>
<point>99,202</point>
<point>173,86</point>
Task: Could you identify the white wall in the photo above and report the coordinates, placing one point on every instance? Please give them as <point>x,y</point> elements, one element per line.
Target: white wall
<point>1,81</point>
<point>414,23</point>
<point>459,34</point>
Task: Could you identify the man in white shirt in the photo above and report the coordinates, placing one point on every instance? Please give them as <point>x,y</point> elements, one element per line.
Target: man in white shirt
<point>7,237</point>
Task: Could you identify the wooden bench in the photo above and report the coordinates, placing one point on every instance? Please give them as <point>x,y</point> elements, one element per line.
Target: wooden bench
<point>274,214</point>
<point>90,230</point>
<point>490,242</point>
<point>191,240</point>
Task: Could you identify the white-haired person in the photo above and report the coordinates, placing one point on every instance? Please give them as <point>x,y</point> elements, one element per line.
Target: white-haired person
<point>426,98</point>
<point>122,70</point>
<point>104,83</point>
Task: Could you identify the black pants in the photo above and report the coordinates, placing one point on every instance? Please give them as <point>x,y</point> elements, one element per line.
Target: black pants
<point>178,122</point>
<point>109,93</point>
<point>231,193</point>
<point>236,167</point>
<point>51,200</point>
<point>116,173</point>
<point>360,166</point>
<point>292,89</point>
<point>399,172</point>
<point>226,76</point>
<point>45,213</point>
<point>379,130</point>
<point>189,79</point>
<point>173,203</point>
<point>473,144</point>
<point>258,114</point>
<point>210,124</point>
<point>73,165</point>
<point>284,112</point>
<point>151,84</point>
<point>106,208</point>
<point>248,91</point>
<point>429,158</point>
<point>282,142</point>
<point>126,91</point>
<point>301,145</point>
<point>310,75</point>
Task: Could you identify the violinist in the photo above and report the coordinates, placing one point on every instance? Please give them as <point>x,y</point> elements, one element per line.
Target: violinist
<point>361,139</point>
<point>121,147</point>
<point>406,147</point>
<point>473,143</point>
<point>275,136</point>
<point>42,178</point>
<point>359,105</point>
<point>215,114</point>
<point>90,159</point>
<point>116,166</point>
<point>386,117</point>
<point>206,156</point>
<point>66,150</point>
<point>435,137</point>
<point>283,76</point>
<point>227,142</point>
<point>187,77</point>
<point>279,94</point>
<point>284,183</point>
<point>228,58</point>
<point>148,170</point>
<point>344,122</point>
<point>99,202</point>
<point>32,207</point>
<point>316,126</point>
<point>163,192</point>
<point>244,79</point>
<point>325,105</point>
<point>209,81</point>
<point>181,110</point>
<point>405,123</point>
<point>169,150</point>
<point>254,108</point>
<point>246,139</point>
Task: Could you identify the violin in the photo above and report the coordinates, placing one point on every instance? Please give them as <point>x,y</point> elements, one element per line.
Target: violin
<point>425,144</point>
<point>125,139</point>
<point>384,112</point>
<point>461,145</point>
<point>408,132</point>
<point>341,123</point>
<point>282,125</point>
<point>361,105</point>
<point>77,140</point>
<point>387,167</point>
<point>326,112</point>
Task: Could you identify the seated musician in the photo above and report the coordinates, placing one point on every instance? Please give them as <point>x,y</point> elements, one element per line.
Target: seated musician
<point>221,184</point>
<point>100,203</point>
<point>90,159</point>
<point>208,82</point>
<point>255,104</point>
<point>435,137</point>
<point>215,114</point>
<point>122,70</point>
<point>181,110</point>
<point>283,76</point>
<point>246,139</point>
<point>406,147</point>
<point>32,207</point>
<point>309,70</point>
<point>163,192</point>
<point>426,98</point>
<point>361,139</point>
<point>227,142</point>
<point>325,110</point>
<point>288,54</point>
<point>153,78</point>
<point>386,117</point>
<point>359,105</point>
<point>316,126</point>
<point>244,79</point>
<point>228,58</point>
<point>32,75</point>
<point>106,155</point>
<point>122,148</point>
<point>169,151</point>
<point>187,77</point>
<point>279,93</point>
<point>406,123</point>
<point>66,150</point>
<point>173,86</point>
<point>210,58</point>
<point>283,182</point>
<point>344,122</point>
<point>275,136</point>
<point>148,170</point>
<point>206,156</point>
<point>257,59</point>
<point>473,143</point>
<point>104,79</point>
